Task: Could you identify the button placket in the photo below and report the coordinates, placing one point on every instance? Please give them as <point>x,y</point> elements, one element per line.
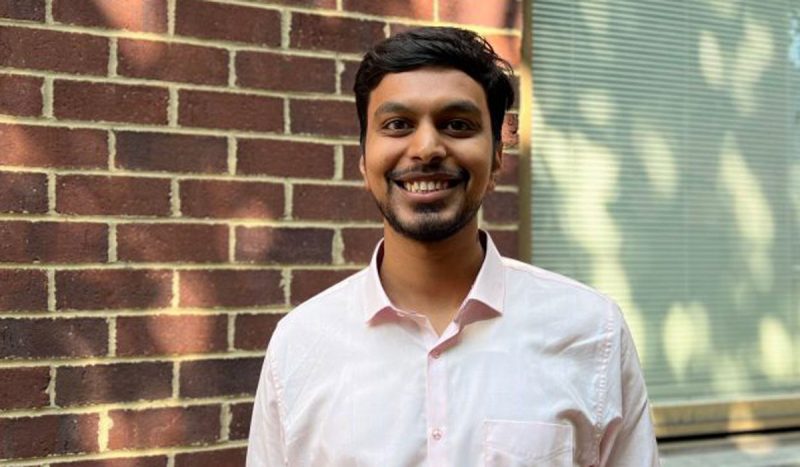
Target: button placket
<point>437,407</point>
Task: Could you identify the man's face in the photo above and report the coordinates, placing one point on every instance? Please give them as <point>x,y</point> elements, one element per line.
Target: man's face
<point>428,151</point>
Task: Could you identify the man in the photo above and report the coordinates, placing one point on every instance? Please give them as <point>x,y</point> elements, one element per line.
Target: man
<point>441,352</point>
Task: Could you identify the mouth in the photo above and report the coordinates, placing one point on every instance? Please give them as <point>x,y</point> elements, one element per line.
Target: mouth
<point>425,181</point>
<point>426,186</point>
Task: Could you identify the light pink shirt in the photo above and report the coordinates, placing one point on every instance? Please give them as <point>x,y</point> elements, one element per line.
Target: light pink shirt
<point>535,370</point>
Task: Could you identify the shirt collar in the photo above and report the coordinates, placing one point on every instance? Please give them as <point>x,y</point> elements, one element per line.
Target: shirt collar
<point>488,290</point>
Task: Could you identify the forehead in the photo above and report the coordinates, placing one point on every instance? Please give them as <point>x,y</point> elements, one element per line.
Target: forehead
<point>427,88</point>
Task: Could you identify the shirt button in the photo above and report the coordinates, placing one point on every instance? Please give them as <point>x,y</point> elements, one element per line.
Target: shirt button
<point>436,434</point>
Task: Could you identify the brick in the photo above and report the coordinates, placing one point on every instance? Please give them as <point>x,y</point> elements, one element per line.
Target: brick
<point>333,33</point>
<point>172,62</point>
<point>285,72</point>
<point>281,245</point>
<point>241,414</point>
<point>326,202</point>
<point>284,158</point>
<point>500,207</point>
<point>39,146</point>
<point>359,244</point>
<point>228,22</point>
<point>119,382</point>
<point>501,15</point>
<point>222,199</point>
<point>23,192</point>
<point>23,290</point>
<point>506,242</point>
<point>24,388</point>
<point>228,288</point>
<point>29,10</point>
<point>116,196</point>
<point>52,242</point>
<point>98,289</point>
<point>168,243</point>
<point>509,170</point>
<point>230,111</point>
<point>20,95</point>
<point>348,77</point>
<point>131,15</point>
<point>107,102</point>
<point>307,283</point>
<point>253,331</point>
<point>171,152</point>
<point>219,377</point>
<point>57,338</point>
<point>352,159</point>
<point>418,10</point>
<point>173,426</point>
<point>40,49</point>
<point>329,118</point>
<point>171,335</point>
<point>231,457</point>
<point>508,47</point>
<point>48,435</point>
<point>152,461</point>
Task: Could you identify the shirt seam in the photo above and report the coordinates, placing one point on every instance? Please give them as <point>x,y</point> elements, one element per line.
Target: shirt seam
<point>602,382</point>
<point>282,411</point>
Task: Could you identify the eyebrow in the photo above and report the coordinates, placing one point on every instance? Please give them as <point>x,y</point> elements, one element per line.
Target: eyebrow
<point>460,106</point>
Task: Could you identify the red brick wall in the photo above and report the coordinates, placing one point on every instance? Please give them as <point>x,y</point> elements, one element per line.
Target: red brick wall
<point>175,175</point>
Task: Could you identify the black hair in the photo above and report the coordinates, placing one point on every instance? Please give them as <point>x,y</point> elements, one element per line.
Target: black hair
<point>445,47</point>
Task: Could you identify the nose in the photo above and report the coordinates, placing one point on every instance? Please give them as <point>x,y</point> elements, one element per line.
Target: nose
<point>426,144</point>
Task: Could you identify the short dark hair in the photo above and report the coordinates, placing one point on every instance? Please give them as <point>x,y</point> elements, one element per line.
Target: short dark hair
<point>444,47</point>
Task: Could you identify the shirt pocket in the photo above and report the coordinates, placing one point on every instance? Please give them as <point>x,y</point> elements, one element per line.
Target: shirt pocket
<point>509,443</point>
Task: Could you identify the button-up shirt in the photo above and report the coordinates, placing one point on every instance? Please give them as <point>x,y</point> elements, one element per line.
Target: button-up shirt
<point>534,370</point>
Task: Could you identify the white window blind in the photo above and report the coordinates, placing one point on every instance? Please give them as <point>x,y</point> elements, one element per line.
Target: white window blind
<point>666,173</point>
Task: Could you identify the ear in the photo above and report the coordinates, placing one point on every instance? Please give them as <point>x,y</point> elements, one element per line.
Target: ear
<point>363,169</point>
<point>497,166</point>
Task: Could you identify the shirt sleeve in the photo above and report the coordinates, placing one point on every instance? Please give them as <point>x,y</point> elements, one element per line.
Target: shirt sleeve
<point>629,440</point>
<point>266,445</point>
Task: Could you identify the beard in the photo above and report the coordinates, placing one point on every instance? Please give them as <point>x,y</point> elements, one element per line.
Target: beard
<point>429,223</point>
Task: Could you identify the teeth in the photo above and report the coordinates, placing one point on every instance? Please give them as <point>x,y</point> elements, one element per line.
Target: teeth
<point>424,186</point>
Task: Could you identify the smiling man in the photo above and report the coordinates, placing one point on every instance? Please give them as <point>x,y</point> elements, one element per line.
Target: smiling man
<point>442,352</point>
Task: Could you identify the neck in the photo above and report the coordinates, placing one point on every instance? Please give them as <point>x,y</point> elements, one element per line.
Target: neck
<point>431,278</point>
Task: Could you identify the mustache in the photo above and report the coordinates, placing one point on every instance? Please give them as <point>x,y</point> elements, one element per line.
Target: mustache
<point>427,170</point>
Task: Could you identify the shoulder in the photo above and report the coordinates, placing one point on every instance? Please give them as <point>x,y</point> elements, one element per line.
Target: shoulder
<point>334,307</point>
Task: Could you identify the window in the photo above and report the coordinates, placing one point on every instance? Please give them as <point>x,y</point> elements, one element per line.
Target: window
<point>666,172</point>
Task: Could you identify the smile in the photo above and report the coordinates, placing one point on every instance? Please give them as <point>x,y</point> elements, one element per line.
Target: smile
<point>424,186</point>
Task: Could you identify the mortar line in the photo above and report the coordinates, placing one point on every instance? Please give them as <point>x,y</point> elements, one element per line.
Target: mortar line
<point>105,361</point>
<point>112,242</point>
<point>51,290</point>
<point>47,98</point>
<point>286,283</point>
<point>338,162</point>
<point>286,29</point>
<point>172,107</point>
<point>287,118</point>
<point>231,332</point>
<point>337,248</point>
<point>288,194</point>
<point>113,57</point>
<point>232,69</point>
<point>51,193</point>
<point>233,147</point>
<point>146,313</point>
<point>48,12</point>
<point>51,388</point>
<point>176,369</point>
<point>112,336</point>
<point>171,17</point>
<point>175,198</point>
<point>224,422</point>
<point>176,289</point>
<point>231,243</point>
<point>339,71</point>
<point>112,151</point>
<point>436,11</point>
<point>103,430</point>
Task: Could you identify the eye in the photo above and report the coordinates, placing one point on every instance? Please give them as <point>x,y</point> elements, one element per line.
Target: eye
<point>397,125</point>
<point>459,126</point>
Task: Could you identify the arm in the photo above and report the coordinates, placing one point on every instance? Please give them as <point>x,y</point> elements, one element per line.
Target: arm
<point>266,446</point>
<point>629,440</point>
